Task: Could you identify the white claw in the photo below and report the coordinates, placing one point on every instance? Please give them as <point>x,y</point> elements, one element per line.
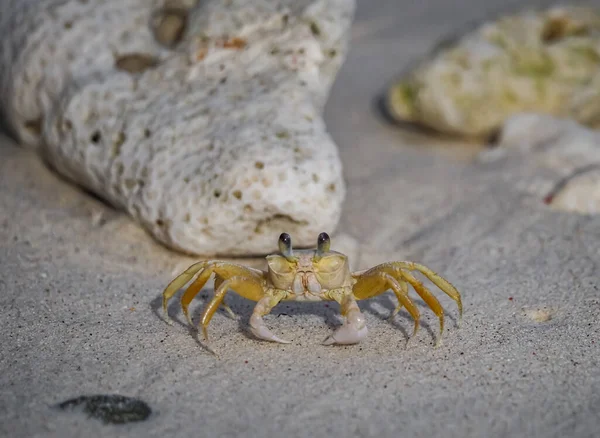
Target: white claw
<point>347,334</point>
<point>260,330</point>
<point>353,331</point>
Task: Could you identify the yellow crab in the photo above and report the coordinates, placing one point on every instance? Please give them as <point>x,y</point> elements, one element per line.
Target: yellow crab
<point>310,275</point>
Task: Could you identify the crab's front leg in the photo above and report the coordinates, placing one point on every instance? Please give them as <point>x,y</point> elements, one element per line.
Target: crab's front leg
<point>205,269</point>
<point>262,308</point>
<point>354,328</point>
<point>246,287</point>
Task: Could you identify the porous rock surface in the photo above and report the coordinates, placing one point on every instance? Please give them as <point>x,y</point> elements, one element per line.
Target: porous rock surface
<point>545,61</point>
<point>201,119</point>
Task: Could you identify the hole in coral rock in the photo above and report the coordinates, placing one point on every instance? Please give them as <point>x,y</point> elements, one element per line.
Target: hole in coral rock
<point>136,62</point>
<point>34,126</point>
<point>121,138</point>
<point>96,137</point>
<point>168,26</point>
<point>278,221</point>
<point>314,28</point>
<point>235,43</point>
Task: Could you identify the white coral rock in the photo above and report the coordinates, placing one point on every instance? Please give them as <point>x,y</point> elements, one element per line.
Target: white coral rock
<point>215,145</point>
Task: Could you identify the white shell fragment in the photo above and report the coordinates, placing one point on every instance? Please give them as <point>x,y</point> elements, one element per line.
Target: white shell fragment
<point>203,123</point>
<point>545,61</point>
<point>562,158</point>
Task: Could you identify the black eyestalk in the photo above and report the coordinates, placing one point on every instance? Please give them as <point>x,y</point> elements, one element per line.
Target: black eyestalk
<point>323,244</point>
<point>285,245</point>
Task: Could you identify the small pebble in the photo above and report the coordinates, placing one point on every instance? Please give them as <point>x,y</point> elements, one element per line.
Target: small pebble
<point>110,409</point>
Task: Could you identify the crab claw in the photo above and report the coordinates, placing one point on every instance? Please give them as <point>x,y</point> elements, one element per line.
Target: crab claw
<point>352,331</point>
<point>346,334</point>
<point>260,330</point>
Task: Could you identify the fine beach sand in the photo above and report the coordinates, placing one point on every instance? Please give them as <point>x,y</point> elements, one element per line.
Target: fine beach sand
<point>80,289</point>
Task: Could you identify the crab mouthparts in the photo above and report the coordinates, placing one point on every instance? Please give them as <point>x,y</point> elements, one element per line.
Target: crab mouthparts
<point>306,282</point>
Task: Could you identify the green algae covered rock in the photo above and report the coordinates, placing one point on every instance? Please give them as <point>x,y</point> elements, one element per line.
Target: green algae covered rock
<point>535,61</point>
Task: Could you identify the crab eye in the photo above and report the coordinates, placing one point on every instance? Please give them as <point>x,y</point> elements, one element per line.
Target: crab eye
<point>323,243</point>
<point>285,244</point>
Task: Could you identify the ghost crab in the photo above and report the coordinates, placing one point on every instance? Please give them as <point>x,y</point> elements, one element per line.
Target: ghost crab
<point>310,275</point>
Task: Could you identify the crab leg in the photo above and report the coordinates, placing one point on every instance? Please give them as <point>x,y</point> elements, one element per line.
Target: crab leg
<point>397,277</point>
<point>400,289</point>
<point>429,298</point>
<point>178,282</point>
<point>444,285</point>
<point>246,287</point>
<point>206,268</point>
<point>196,287</point>
<point>224,305</point>
<point>191,292</point>
<point>378,282</point>
<point>262,308</point>
<point>404,287</point>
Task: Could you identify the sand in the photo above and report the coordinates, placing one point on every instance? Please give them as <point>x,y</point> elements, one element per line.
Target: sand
<point>80,288</point>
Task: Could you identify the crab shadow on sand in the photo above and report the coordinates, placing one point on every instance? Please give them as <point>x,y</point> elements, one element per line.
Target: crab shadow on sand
<point>380,307</point>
